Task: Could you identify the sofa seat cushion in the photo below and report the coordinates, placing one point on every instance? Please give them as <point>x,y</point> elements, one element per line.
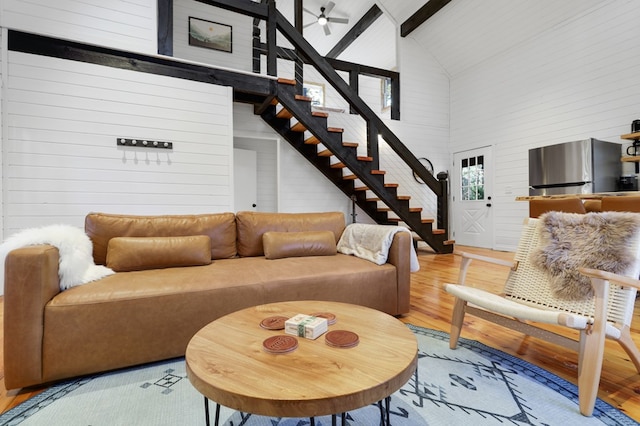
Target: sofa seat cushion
<point>132,308</point>
<point>225,273</point>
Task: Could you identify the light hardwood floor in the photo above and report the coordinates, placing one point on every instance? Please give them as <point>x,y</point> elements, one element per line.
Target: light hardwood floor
<point>431,307</point>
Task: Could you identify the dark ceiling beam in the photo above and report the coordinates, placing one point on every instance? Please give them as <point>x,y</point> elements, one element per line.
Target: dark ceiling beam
<point>355,31</point>
<point>424,13</point>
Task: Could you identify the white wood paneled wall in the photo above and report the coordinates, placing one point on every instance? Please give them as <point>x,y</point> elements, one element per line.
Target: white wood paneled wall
<point>61,160</point>
<point>574,81</point>
<point>121,24</point>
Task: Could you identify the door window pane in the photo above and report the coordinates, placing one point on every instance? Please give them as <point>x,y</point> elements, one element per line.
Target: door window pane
<point>472,178</point>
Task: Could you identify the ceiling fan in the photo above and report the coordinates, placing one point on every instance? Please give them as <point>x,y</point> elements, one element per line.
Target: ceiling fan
<point>323,20</point>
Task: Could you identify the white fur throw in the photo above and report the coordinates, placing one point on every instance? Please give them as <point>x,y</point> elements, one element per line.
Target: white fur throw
<point>76,252</point>
<point>568,241</point>
<point>372,242</point>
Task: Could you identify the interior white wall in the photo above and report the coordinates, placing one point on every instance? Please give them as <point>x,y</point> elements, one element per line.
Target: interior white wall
<point>60,155</point>
<point>127,25</point>
<point>576,80</point>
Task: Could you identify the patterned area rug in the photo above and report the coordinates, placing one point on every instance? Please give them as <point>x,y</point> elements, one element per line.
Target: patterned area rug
<point>472,385</point>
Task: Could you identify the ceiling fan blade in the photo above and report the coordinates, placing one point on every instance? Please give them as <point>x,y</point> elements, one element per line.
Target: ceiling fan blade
<point>329,7</point>
<point>310,24</point>
<point>327,31</point>
<point>308,11</point>
<point>338,20</point>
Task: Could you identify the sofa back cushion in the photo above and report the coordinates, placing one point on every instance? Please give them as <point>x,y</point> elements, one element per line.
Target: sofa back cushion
<point>220,227</point>
<point>140,253</point>
<point>252,225</point>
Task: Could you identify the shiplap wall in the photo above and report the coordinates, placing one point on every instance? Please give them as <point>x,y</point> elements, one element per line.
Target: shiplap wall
<point>574,81</point>
<point>61,160</point>
<point>241,35</point>
<point>122,24</point>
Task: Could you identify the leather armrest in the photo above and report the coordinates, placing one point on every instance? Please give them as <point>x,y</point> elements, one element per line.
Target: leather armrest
<point>400,257</point>
<point>30,282</point>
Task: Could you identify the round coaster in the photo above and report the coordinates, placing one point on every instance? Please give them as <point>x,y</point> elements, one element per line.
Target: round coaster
<point>280,344</point>
<point>273,323</point>
<point>342,339</point>
<point>331,318</point>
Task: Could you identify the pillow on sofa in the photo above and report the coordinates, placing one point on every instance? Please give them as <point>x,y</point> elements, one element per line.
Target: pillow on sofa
<point>278,245</point>
<point>139,253</point>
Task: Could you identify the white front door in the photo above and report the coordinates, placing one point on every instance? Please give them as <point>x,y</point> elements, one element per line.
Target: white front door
<point>245,179</point>
<point>471,195</point>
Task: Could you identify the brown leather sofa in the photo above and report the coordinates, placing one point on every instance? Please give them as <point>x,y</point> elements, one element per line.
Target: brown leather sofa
<point>167,287</point>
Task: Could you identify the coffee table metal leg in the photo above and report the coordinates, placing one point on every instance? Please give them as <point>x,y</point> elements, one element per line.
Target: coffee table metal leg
<point>387,403</point>
<point>206,411</point>
<point>312,421</point>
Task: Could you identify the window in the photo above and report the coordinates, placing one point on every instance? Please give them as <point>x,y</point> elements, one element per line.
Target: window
<point>472,178</point>
<point>315,91</point>
<point>386,93</point>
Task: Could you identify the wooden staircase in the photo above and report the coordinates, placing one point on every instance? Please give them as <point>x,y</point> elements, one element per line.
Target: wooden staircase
<point>291,116</point>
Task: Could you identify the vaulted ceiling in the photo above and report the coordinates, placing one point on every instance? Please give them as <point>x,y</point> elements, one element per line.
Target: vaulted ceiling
<point>462,35</point>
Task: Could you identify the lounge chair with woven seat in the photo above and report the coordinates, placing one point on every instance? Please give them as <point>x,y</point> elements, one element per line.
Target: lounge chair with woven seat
<point>572,270</point>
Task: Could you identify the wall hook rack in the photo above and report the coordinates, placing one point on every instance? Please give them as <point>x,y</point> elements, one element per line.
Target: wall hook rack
<point>144,143</point>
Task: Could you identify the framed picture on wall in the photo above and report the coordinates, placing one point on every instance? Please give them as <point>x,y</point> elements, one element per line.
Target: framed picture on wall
<point>211,35</point>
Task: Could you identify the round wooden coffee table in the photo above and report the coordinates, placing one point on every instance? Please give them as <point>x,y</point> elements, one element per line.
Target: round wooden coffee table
<point>227,363</point>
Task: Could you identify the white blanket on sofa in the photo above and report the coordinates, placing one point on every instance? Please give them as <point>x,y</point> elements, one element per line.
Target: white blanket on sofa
<point>76,252</point>
<point>372,242</point>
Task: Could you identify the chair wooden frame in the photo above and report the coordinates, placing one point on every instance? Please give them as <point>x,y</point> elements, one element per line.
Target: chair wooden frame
<point>607,315</point>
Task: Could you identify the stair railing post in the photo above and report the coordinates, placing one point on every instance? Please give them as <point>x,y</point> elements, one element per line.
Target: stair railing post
<point>299,63</point>
<point>372,145</point>
<point>355,85</point>
<point>256,47</point>
<point>272,54</point>
<point>443,202</point>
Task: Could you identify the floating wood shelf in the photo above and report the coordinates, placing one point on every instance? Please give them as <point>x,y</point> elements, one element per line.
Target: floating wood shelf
<point>631,136</point>
<point>630,159</point>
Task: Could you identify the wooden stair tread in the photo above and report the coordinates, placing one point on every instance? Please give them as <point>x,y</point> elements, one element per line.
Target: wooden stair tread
<point>363,158</point>
<point>449,242</point>
<point>404,197</point>
<point>288,81</point>
<point>349,177</point>
<point>428,220</point>
<point>303,98</point>
<point>284,113</point>
<point>335,129</point>
<point>320,114</point>
<point>325,153</point>
<point>350,144</point>
<point>339,165</point>
<point>298,127</point>
<point>378,172</point>
<point>373,199</point>
<point>361,188</point>
<point>312,140</point>
<point>391,185</point>
<point>415,209</point>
